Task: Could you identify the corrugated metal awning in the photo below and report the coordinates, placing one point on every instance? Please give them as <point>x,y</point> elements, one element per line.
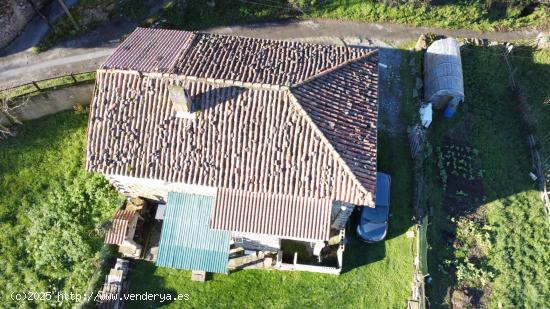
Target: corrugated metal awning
<point>187,242</point>
<point>272,214</point>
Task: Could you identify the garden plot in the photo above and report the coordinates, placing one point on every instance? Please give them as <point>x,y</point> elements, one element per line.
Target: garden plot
<point>461,176</point>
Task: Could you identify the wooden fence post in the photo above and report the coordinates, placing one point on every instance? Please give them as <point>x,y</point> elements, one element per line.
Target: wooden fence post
<point>36,85</point>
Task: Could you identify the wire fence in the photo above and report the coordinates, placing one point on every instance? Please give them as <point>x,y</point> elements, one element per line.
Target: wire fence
<point>36,87</point>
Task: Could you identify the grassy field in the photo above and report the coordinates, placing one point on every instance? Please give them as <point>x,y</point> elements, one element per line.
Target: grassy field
<point>448,14</point>
<point>495,251</point>
<point>373,274</point>
<point>198,14</point>
<point>46,201</point>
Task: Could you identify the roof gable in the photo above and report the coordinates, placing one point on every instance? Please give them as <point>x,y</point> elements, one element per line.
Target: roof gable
<point>250,139</point>
<point>343,105</point>
<point>276,117</point>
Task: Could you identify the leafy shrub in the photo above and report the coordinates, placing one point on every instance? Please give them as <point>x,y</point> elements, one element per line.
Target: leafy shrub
<point>470,275</point>
<point>63,241</point>
<point>473,243</point>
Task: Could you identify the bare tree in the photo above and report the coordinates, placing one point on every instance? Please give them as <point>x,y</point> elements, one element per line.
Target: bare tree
<point>8,107</point>
<point>68,13</point>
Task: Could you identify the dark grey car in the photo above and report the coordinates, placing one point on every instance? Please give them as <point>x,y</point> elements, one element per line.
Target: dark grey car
<point>373,223</point>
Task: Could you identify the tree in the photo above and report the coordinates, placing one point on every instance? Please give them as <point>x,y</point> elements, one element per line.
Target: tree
<point>63,241</point>
<point>8,107</point>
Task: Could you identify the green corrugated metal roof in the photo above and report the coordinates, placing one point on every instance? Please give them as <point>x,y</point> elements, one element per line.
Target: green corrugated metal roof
<point>187,242</point>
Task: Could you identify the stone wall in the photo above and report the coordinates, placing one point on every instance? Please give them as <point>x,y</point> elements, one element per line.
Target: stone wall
<point>52,101</point>
<point>14,15</point>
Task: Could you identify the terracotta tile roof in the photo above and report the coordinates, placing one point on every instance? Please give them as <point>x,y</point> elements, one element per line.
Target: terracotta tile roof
<point>343,105</point>
<point>276,118</point>
<point>118,229</point>
<point>150,50</point>
<point>206,55</point>
<point>260,60</point>
<point>274,214</point>
<point>246,138</point>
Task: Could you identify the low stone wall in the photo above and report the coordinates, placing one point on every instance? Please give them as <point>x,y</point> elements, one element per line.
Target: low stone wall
<point>52,101</point>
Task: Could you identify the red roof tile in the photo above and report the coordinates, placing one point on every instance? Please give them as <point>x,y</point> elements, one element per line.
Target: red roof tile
<point>150,50</point>
<point>260,60</point>
<point>115,235</point>
<point>343,105</point>
<point>277,118</point>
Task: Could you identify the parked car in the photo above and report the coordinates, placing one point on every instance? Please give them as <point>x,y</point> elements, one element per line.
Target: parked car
<point>373,222</point>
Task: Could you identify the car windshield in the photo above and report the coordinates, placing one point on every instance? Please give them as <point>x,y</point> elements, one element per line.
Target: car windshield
<point>376,214</point>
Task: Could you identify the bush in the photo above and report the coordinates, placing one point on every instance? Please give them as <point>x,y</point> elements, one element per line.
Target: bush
<point>63,241</point>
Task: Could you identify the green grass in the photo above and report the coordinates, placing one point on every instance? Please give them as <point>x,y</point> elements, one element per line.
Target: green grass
<point>455,14</point>
<point>375,275</point>
<point>197,14</point>
<point>51,83</point>
<point>46,156</point>
<point>515,219</point>
<point>452,14</point>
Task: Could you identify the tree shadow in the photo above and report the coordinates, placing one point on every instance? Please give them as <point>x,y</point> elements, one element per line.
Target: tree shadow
<point>394,159</point>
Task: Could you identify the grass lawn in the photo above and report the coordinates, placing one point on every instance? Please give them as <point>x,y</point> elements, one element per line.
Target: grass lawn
<point>198,14</point>
<point>45,203</point>
<point>510,222</point>
<point>374,276</point>
<point>448,14</point>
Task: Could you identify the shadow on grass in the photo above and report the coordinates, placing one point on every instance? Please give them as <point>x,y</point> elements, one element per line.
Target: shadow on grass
<point>359,253</point>
<point>143,281</point>
<point>393,158</point>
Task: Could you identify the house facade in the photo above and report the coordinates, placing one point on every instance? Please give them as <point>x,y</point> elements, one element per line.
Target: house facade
<point>278,139</point>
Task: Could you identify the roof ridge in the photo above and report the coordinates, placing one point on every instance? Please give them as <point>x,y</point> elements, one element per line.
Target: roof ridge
<point>334,68</point>
<point>209,80</point>
<point>292,40</point>
<point>322,136</point>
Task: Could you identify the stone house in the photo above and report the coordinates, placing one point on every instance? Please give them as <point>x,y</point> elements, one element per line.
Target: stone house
<point>276,139</point>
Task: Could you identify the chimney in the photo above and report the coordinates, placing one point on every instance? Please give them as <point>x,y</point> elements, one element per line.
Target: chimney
<point>181,101</point>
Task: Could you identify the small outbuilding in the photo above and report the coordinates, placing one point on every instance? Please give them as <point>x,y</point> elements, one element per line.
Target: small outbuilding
<point>443,81</point>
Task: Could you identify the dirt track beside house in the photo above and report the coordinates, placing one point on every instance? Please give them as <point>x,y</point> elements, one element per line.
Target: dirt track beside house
<point>90,50</point>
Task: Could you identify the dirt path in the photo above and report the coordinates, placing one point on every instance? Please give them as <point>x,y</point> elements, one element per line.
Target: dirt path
<point>87,52</point>
<point>377,31</point>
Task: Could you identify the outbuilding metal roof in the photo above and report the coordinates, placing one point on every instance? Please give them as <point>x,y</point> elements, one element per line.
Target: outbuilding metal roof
<point>187,241</point>
<point>280,215</point>
<point>150,50</point>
